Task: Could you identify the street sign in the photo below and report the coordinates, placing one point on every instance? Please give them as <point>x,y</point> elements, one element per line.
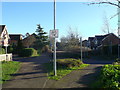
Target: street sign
<point>54,33</point>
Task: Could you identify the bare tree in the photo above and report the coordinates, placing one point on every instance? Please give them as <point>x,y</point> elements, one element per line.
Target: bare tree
<point>71,41</point>
<point>106,25</point>
<point>115,3</point>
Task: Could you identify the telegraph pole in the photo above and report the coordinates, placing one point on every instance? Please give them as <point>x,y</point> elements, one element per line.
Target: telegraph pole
<point>55,72</point>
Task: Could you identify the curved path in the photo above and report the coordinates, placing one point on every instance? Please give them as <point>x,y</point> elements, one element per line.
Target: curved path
<point>33,75</point>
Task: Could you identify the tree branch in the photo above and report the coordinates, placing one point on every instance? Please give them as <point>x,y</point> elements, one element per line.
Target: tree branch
<point>106,3</point>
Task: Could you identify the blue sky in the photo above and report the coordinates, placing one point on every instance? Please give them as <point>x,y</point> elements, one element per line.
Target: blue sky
<point>22,17</point>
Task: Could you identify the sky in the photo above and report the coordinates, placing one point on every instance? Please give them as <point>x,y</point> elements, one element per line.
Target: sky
<point>22,17</point>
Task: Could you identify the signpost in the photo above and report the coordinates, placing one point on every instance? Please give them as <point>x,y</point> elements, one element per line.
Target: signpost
<point>54,35</point>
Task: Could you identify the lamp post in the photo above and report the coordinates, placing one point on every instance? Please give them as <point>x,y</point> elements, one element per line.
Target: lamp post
<point>81,46</point>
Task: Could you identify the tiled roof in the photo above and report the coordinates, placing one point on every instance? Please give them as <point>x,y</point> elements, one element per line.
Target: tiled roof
<point>1,28</point>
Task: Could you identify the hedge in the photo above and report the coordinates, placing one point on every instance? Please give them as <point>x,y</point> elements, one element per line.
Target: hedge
<point>27,52</point>
<point>110,76</point>
<point>69,62</point>
<point>2,51</point>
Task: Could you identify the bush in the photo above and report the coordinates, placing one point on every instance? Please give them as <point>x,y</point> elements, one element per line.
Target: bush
<point>110,76</point>
<point>70,62</point>
<point>10,49</point>
<point>27,52</point>
<point>2,51</point>
<point>45,48</point>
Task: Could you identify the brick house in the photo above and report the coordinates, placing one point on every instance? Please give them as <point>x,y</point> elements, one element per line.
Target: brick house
<point>14,38</point>
<point>110,39</point>
<point>28,42</point>
<point>90,42</point>
<point>98,40</point>
<point>85,43</point>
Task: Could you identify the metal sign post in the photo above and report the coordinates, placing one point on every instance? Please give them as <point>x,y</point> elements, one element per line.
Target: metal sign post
<point>55,72</point>
<point>54,35</point>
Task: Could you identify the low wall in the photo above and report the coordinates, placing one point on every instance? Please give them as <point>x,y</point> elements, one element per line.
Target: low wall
<point>6,57</point>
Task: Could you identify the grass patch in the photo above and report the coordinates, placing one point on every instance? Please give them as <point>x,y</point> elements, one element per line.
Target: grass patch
<point>62,70</point>
<point>9,68</point>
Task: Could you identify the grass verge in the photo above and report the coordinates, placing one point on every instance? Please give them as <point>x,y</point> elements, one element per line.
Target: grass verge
<point>9,68</point>
<point>61,70</point>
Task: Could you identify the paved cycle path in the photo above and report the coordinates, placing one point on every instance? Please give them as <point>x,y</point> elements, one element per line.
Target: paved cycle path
<point>84,77</point>
<point>33,75</point>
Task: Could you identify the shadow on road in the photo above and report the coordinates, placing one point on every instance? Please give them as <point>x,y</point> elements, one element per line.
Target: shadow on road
<point>90,76</point>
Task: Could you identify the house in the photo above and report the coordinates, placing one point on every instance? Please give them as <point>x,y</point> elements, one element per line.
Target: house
<point>29,41</point>
<point>90,42</point>
<point>14,38</point>
<point>4,36</point>
<point>110,39</point>
<point>85,43</point>
<point>98,40</point>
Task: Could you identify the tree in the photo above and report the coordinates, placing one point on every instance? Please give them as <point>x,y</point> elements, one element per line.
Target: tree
<point>71,41</point>
<point>106,2</point>
<point>41,37</point>
<point>106,25</point>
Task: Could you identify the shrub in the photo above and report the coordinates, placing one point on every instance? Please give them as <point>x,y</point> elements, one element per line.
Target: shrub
<point>45,48</point>
<point>110,76</point>
<point>2,51</point>
<point>10,49</point>
<point>70,62</point>
<point>27,52</point>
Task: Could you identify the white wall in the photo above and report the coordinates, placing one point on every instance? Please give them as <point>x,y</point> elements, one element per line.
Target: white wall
<point>5,57</point>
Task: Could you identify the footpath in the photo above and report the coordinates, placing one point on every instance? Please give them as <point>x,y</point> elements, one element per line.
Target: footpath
<point>33,75</point>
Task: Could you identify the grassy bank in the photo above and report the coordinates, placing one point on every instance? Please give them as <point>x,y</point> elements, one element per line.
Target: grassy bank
<point>9,68</point>
<point>62,70</point>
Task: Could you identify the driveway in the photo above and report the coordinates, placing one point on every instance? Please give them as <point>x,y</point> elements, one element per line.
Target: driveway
<point>33,75</point>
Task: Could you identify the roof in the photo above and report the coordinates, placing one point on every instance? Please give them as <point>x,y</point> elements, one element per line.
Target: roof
<point>100,37</point>
<point>91,38</point>
<point>107,35</point>
<point>2,28</point>
<point>15,36</point>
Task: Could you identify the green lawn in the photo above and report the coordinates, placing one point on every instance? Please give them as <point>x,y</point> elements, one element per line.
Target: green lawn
<point>61,70</point>
<point>8,68</point>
